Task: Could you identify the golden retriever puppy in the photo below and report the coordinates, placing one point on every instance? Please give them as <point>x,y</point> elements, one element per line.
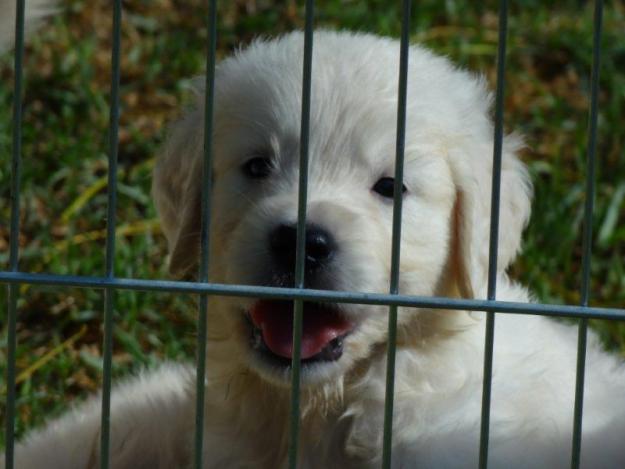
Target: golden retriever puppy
<point>444,252</point>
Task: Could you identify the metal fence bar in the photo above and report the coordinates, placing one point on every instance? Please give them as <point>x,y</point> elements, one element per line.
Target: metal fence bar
<point>396,241</point>
<point>587,236</point>
<point>384,299</point>
<point>205,231</point>
<point>14,235</point>
<point>300,255</point>
<point>109,292</point>
<point>109,283</point>
<point>494,234</point>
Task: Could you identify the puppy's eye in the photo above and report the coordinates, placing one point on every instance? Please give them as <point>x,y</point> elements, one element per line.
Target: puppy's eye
<point>386,187</point>
<point>258,167</point>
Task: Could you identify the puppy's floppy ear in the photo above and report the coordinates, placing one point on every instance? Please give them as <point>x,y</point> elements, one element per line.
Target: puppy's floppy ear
<point>472,166</point>
<point>176,189</point>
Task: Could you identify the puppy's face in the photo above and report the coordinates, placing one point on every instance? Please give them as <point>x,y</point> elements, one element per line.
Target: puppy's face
<point>349,212</point>
<point>348,231</point>
<point>350,193</point>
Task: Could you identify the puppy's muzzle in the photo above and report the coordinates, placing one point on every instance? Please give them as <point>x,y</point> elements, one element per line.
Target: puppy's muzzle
<point>320,248</point>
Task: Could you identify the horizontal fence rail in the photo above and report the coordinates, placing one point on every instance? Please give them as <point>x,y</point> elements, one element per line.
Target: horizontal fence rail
<point>109,283</point>
<point>331,296</point>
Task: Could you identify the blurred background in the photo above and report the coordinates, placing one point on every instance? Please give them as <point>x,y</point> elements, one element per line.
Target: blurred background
<point>67,69</point>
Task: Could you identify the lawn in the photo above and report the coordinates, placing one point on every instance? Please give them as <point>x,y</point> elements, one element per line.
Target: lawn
<point>65,143</point>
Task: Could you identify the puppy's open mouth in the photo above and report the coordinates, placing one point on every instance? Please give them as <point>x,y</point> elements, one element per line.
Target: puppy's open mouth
<point>323,331</point>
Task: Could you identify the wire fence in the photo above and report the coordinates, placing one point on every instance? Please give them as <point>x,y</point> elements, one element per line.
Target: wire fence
<point>109,283</point>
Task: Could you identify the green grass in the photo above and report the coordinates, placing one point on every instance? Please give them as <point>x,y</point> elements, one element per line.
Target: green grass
<point>64,163</point>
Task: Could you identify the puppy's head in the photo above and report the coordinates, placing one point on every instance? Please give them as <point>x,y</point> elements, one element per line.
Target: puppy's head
<point>446,194</point>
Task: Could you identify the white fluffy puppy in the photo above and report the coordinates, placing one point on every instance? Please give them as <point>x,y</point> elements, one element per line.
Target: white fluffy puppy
<point>444,252</point>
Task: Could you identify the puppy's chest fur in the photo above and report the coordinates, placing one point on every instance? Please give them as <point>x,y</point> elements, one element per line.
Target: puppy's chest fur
<point>341,423</point>
<point>253,429</point>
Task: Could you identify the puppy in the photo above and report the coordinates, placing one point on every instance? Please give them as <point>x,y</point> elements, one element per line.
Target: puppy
<point>444,252</point>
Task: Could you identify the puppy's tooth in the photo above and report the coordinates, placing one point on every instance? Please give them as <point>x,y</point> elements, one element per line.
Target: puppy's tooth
<point>256,339</point>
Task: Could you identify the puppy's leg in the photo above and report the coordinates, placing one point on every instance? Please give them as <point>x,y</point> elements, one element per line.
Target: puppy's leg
<point>151,427</point>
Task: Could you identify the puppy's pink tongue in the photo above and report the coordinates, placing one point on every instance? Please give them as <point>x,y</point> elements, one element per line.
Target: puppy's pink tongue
<point>275,320</point>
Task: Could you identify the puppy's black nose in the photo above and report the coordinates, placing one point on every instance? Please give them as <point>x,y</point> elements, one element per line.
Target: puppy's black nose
<point>320,246</point>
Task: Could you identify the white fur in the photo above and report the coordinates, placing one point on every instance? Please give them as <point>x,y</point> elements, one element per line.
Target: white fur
<point>444,252</point>
<point>36,10</point>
